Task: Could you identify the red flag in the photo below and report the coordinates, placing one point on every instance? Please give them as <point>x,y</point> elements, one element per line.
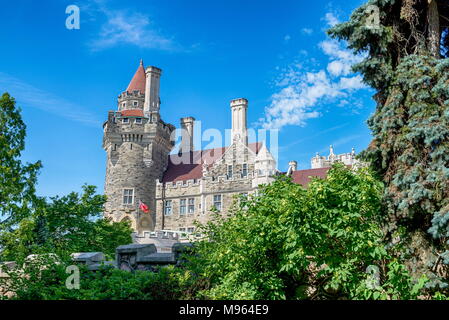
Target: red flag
<point>144,207</point>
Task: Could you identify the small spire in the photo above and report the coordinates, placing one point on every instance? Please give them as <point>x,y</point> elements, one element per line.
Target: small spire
<point>331,150</point>
<point>138,81</point>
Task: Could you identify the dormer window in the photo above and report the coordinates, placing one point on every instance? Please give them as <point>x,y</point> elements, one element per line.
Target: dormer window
<point>125,120</point>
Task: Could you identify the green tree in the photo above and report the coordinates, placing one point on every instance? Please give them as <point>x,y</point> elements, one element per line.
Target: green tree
<point>294,243</point>
<point>406,44</point>
<point>31,224</point>
<point>17,180</point>
<point>65,225</point>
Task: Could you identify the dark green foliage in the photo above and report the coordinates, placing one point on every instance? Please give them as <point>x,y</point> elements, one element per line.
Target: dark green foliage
<point>411,122</point>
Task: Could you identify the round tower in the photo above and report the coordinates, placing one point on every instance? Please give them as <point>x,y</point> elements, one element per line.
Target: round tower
<point>137,147</point>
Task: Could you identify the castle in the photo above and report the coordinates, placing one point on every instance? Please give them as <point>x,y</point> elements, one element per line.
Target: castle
<point>187,186</point>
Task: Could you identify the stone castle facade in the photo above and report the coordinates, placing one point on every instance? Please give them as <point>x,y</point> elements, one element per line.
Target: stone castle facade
<point>187,186</point>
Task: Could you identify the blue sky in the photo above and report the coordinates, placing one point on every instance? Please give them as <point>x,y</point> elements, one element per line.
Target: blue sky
<point>274,53</point>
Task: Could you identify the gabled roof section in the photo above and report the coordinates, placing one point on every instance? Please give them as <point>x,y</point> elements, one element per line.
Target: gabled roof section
<point>138,81</point>
<point>192,168</point>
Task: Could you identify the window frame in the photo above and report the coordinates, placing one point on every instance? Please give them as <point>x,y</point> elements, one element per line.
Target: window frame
<point>127,197</point>
<point>170,207</point>
<point>230,171</point>
<point>182,207</point>
<point>215,202</point>
<point>244,170</point>
<point>190,205</point>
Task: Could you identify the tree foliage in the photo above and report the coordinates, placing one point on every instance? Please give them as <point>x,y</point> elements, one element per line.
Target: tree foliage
<point>407,64</point>
<point>46,280</point>
<point>30,224</point>
<point>294,243</point>
<point>65,225</point>
<point>17,180</point>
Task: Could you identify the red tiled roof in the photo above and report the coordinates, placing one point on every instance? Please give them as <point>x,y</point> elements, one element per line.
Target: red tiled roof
<point>189,166</point>
<point>132,113</point>
<point>138,81</point>
<point>302,177</point>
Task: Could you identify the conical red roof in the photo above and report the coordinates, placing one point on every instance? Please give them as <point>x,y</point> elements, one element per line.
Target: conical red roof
<point>138,81</point>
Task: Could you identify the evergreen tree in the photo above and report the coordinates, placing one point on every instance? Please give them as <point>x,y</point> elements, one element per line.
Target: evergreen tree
<point>407,63</point>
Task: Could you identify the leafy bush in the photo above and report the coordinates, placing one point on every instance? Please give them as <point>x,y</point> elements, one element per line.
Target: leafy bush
<point>43,279</point>
<point>294,243</point>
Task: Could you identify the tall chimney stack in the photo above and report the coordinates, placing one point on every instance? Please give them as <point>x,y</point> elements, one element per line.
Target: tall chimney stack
<point>187,134</point>
<point>152,100</point>
<point>239,131</point>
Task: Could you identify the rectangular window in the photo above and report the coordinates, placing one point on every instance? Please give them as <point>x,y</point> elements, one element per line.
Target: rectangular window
<point>167,207</point>
<point>183,234</point>
<point>190,230</point>
<point>217,202</point>
<point>244,170</point>
<point>128,196</point>
<point>191,205</point>
<point>125,120</point>
<point>229,171</point>
<point>135,103</point>
<point>182,207</point>
<point>138,120</point>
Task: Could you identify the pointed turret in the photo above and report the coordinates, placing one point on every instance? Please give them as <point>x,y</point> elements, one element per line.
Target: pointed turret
<point>138,81</point>
<point>264,167</point>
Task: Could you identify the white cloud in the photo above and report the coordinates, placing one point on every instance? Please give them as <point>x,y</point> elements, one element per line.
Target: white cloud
<point>351,83</point>
<point>287,38</point>
<point>338,68</point>
<point>29,96</point>
<point>307,31</point>
<point>123,27</point>
<point>303,92</point>
<point>331,19</point>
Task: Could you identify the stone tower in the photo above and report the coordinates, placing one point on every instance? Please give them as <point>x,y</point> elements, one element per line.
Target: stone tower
<point>137,143</point>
